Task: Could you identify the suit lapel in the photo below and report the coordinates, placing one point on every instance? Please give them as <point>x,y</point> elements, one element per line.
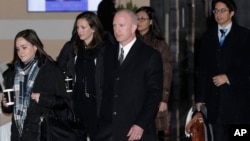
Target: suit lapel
<point>131,54</point>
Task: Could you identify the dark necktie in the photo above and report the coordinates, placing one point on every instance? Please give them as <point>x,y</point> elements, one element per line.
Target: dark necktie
<point>121,57</point>
<point>223,35</point>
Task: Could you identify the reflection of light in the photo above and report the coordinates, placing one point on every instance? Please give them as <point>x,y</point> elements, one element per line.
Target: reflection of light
<point>93,4</point>
<point>36,5</point>
<point>62,5</point>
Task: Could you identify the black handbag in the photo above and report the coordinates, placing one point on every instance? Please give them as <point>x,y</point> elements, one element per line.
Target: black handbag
<point>60,126</point>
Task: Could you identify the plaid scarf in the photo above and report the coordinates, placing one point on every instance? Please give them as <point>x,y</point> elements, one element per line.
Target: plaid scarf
<point>23,84</point>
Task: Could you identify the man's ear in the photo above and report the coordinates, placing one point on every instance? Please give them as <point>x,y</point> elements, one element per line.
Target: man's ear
<point>151,22</point>
<point>232,13</point>
<point>134,27</point>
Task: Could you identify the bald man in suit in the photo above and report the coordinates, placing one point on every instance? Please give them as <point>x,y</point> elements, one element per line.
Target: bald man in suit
<point>132,89</point>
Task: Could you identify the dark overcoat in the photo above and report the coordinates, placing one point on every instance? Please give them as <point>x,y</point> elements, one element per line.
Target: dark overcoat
<point>133,93</point>
<point>49,82</point>
<point>229,103</point>
<point>161,45</point>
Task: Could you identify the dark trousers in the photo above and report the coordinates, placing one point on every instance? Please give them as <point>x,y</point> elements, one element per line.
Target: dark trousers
<point>104,132</point>
<point>221,132</point>
<point>81,134</point>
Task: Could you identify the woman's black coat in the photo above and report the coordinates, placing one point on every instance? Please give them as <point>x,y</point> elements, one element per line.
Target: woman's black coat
<point>50,84</point>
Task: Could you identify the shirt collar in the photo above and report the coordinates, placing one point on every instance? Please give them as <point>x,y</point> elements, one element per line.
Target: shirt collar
<point>127,47</point>
<point>228,27</point>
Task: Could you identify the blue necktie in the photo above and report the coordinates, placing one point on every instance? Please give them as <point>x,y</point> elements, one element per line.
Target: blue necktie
<point>223,35</point>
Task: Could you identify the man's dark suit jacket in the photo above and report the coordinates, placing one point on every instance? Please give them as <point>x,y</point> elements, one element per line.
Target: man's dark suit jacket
<point>132,91</point>
<point>229,103</point>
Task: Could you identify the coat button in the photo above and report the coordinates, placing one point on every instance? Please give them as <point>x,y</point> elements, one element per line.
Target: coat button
<point>114,113</point>
<point>117,78</point>
<point>115,96</point>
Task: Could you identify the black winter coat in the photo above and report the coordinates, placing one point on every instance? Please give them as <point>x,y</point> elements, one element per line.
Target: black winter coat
<point>228,103</point>
<point>131,92</point>
<point>50,84</point>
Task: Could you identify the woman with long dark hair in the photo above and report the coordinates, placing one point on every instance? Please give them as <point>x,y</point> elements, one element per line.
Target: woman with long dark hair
<point>149,31</point>
<point>82,59</point>
<point>38,86</point>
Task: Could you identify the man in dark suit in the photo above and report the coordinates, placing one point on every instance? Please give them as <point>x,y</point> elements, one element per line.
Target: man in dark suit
<point>132,89</point>
<point>223,72</point>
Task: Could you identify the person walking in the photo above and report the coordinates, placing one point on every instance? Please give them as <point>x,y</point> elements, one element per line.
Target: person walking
<point>223,72</point>
<point>133,76</point>
<point>38,86</point>
<point>81,59</point>
<point>149,31</point>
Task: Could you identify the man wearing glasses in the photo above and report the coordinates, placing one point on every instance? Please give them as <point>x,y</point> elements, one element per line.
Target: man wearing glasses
<point>223,73</point>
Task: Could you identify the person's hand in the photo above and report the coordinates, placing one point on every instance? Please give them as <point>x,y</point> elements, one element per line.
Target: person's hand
<point>163,106</point>
<point>198,106</point>
<point>35,96</point>
<point>219,80</point>
<point>135,133</point>
<point>4,101</point>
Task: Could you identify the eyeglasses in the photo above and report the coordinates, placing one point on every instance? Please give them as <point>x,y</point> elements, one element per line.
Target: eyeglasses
<point>142,19</point>
<point>216,11</point>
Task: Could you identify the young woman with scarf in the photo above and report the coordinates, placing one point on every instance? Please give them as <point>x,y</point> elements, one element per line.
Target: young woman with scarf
<point>38,86</point>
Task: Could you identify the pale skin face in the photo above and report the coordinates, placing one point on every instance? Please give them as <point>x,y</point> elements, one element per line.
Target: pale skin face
<point>223,18</point>
<point>84,31</point>
<point>144,22</point>
<point>124,28</point>
<point>25,50</point>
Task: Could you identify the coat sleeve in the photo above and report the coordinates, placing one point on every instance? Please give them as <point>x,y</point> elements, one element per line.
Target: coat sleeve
<point>167,69</point>
<point>64,56</point>
<point>8,76</point>
<point>50,84</point>
<point>154,86</point>
<point>202,75</point>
